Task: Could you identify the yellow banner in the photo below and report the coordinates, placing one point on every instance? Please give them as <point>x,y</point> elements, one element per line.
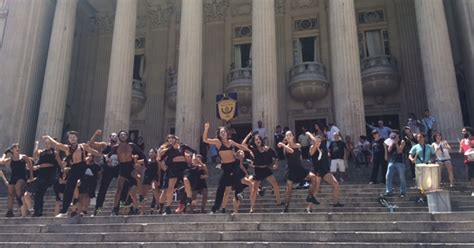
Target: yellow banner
<point>227,108</point>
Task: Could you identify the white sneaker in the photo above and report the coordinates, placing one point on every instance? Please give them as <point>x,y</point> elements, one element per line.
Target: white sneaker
<point>218,166</point>
<point>61,215</point>
<point>472,194</point>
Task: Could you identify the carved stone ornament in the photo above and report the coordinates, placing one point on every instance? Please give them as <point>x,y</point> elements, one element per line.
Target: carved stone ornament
<point>243,9</point>
<point>160,14</point>
<point>103,22</point>
<point>279,7</point>
<point>215,10</point>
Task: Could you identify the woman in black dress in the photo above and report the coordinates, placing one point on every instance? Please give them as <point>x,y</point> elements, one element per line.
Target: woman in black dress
<point>296,173</point>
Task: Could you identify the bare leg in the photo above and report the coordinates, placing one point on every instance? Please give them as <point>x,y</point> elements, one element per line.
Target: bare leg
<point>449,167</point>
<point>20,194</point>
<point>329,178</point>
<point>11,196</point>
<point>253,195</point>
<point>118,193</point>
<point>276,189</point>
<point>170,190</point>
<point>204,200</point>
<point>187,187</point>
<point>144,194</point>
<point>289,189</point>
<point>226,196</point>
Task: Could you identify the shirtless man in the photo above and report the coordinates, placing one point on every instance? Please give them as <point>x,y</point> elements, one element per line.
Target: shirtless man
<point>125,151</point>
<point>77,152</point>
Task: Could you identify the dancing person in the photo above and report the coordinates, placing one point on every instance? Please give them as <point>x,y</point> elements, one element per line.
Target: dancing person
<point>296,173</point>
<point>16,185</point>
<point>229,164</point>
<point>198,175</point>
<point>125,151</point>
<point>150,180</point>
<point>395,163</point>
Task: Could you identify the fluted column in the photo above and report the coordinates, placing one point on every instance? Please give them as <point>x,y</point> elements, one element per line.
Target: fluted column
<point>264,66</point>
<point>188,106</point>
<point>345,68</point>
<point>438,67</point>
<point>56,78</point>
<point>119,88</point>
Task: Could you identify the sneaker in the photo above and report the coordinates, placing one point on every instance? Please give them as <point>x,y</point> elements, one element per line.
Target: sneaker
<point>167,211</point>
<point>37,214</point>
<point>306,185</point>
<point>371,183</point>
<point>402,195</point>
<point>218,166</point>
<point>133,211</point>
<point>239,196</point>
<point>308,210</point>
<point>97,211</point>
<point>341,180</point>
<point>313,200</point>
<point>212,212</point>
<point>223,210</point>
<point>189,201</point>
<point>285,210</point>
<point>61,215</point>
<point>9,214</point>
<point>472,194</point>
<point>387,194</point>
<point>115,212</point>
<point>74,213</point>
<point>338,205</point>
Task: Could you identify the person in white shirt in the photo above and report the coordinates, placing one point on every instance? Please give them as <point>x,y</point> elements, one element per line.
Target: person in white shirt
<point>262,132</point>
<point>443,159</point>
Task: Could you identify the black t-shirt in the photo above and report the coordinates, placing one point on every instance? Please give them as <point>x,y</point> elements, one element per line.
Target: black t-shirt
<point>336,149</point>
<point>409,143</point>
<point>324,161</point>
<point>265,157</point>
<point>378,149</point>
<point>395,157</point>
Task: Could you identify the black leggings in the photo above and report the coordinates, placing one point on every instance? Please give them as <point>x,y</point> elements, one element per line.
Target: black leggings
<point>230,177</point>
<point>43,184</point>
<point>108,174</point>
<point>76,172</point>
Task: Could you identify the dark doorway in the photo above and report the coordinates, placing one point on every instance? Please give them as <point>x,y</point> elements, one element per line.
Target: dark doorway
<point>308,124</point>
<point>241,130</point>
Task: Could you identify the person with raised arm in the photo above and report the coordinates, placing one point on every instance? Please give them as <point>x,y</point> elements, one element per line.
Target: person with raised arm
<point>296,173</point>
<point>16,185</point>
<point>77,153</point>
<point>230,165</point>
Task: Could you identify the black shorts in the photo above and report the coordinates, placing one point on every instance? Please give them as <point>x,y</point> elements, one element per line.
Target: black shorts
<point>229,169</point>
<point>297,175</point>
<point>177,170</point>
<point>321,171</point>
<point>126,170</point>
<point>262,172</point>
<point>58,189</point>
<point>470,170</point>
<point>88,185</point>
<point>150,176</point>
<point>14,178</point>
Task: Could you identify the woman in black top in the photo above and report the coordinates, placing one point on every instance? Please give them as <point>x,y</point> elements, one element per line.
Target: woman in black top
<point>296,173</point>
<point>17,183</point>
<point>265,160</point>
<point>320,157</point>
<point>151,180</point>
<point>230,165</point>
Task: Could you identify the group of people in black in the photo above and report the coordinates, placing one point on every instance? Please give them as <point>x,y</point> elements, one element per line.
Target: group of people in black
<point>170,170</point>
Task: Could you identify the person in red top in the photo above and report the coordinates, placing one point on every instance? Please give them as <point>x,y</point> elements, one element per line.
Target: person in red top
<point>465,144</point>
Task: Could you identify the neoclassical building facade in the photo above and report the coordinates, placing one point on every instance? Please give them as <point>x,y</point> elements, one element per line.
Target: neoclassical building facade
<point>156,66</point>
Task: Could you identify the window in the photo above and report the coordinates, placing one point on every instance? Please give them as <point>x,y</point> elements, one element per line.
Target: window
<point>243,56</point>
<point>138,67</point>
<point>306,49</point>
<point>373,43</point>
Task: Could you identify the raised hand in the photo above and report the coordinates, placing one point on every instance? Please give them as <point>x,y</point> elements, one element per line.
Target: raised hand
<point>206,125</point>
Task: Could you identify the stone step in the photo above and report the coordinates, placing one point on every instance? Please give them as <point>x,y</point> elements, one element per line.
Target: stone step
<point>230,244</point>
<point>274,236</point>
<point>378,226</point>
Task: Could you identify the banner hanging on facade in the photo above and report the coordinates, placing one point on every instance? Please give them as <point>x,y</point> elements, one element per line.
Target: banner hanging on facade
<point>226,106</point>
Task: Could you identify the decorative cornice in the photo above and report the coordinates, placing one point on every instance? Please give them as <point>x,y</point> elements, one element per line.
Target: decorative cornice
<point>160,15</point>
<point>243,9</point>
<point>303,4</point>
<point>215,10</point>
<point>279,7</point>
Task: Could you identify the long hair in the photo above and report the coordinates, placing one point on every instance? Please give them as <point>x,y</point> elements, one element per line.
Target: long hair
<point>218,131</point>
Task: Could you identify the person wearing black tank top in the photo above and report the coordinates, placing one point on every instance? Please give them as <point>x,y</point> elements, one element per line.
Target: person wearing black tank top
<point>230,165</point>
<point>296,172</point>
<point>47,165</point>
<point>150,180</point>
<point>110,170</point>
<point>17,183</point>
<point>265,160</point>
<point>320,157</point>
<point>77,153</point>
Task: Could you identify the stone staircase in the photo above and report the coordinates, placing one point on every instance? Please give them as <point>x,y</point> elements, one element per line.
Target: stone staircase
<point>362,222</point>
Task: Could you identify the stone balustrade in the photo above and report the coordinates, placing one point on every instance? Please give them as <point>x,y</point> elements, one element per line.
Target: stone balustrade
<point>308,82</point>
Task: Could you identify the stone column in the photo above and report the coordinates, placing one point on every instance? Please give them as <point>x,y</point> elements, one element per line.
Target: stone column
<point>119,88</point>
<point>346,81</point>
<point>438,67</point>
<point>56,78</point>
<point>188,106</point>
<point>264,66</point>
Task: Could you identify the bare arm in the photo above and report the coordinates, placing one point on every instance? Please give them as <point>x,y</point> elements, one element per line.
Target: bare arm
<point>57,145</point>
<point>247,138</point>
<point>239,146</point>
<point>401,147</point>
<point>94,144</point>
<point>206,172</point>
<point>90,150</point>
<point>4,160</point>
<point>205,136</point>
<point>36,151</point>
<point>2,175</point>
<point>29,164</point>
<point>287,148</point>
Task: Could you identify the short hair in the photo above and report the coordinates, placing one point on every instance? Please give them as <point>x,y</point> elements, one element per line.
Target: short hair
<point>122,131</point>
<point>363,137</point>
<point>374,132</point>
<point>72,133</point>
